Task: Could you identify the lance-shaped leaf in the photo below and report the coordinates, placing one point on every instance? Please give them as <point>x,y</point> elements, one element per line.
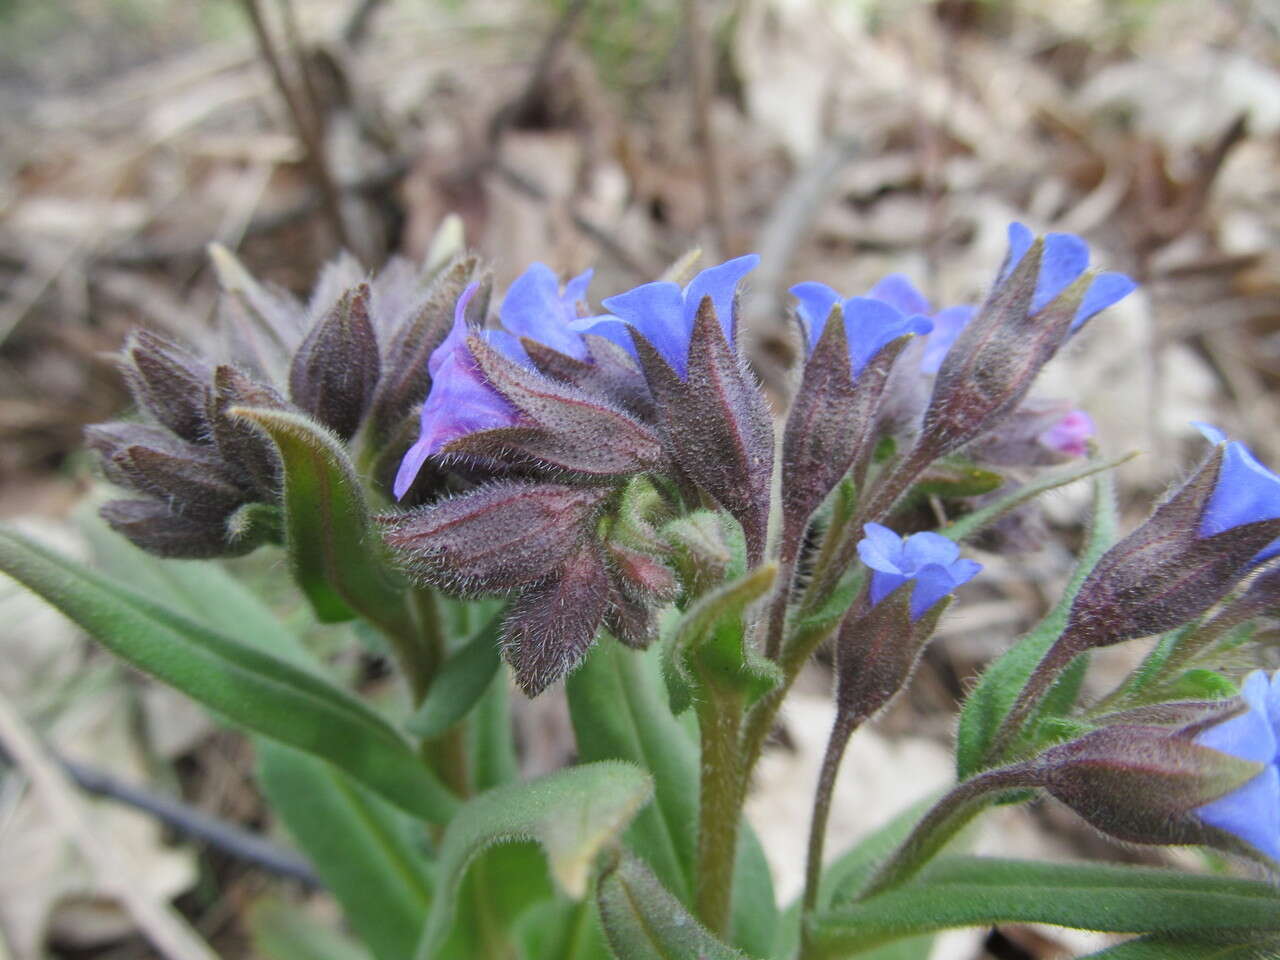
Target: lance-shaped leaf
<point>830,424</point>
<point>336,368</point>
<point>991,699</point>
<point>1191,947</point>
<point>643,921</point>
<point>573,814</point>
<point>711,639</point>
<point>334,550</point>
<point>363,850</point>
<point>971,524</point>
<point>169,382</point>
<point>496,537</point>
<point>459,683</point>
<point>717,423</point>
<point>405,378</point>
<point>981,891</point>
<point>244,684</point>
<point>575,431</point>
<point>551,627</point>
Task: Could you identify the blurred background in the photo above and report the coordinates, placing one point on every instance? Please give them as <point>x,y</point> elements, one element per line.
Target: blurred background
<point>840,140</point>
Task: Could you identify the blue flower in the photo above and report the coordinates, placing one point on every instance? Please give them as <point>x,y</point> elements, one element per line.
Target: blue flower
<point>460,401</point>
<point>536,308</point>
<point>930,560</point>
<point>947,324</point>
<point>664,314</point>
<point>1252,811</point>
<point>1246,492</point>
<point>870,322</point>
<point>1065,258</point>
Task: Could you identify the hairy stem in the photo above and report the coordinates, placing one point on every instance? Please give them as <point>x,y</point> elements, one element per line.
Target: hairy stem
<point>845,723</point>
<point>719,805</point>
<point>1050,667</point>
<point>947,818</point>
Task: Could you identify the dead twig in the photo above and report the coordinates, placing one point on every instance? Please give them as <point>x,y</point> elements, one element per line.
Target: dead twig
<point>304,126</point>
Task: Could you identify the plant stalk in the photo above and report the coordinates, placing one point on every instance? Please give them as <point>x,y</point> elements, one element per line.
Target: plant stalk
<point>719,805</point>
<point>845,723</point>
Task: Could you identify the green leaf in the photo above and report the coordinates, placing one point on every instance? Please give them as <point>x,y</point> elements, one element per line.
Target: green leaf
<point>643,921</point>
<point>200,589</point>
<point>459,683</point>
<point>754,914</point>
<point>490,739</point>
<point>981,891</point>
<point>254,689</point>
<point>362,848</point>
<point>573,814</point>
<point>563,929</point>
<point>334,550</point>
<point>619,713</point>
<point>281,931</point>
<point>973,523</point>
<point>710,641</point>
<point>1160,947</point>
<point>956,477</point>
<point>845,876</point>
<point>996,691</point>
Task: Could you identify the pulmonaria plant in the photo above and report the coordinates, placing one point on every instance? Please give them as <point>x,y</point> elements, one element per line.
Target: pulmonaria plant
<point>604,498</point>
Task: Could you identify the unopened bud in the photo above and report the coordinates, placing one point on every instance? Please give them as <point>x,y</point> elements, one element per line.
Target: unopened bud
<point>551,627</point>
<point>245,447</point>
<point>495,538</point>
<point>155,528</point>
<point>336,368</point>
<point>169,382</point>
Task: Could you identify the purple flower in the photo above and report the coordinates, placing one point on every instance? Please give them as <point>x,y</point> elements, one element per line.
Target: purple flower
<point>870,322</point>
<point>1070,434</point>
<point>460,401</point>
<point>535,307</point>
<point>1245,492</point>
<point>664,314</point>
<point>1252,811</point>
<point>1065,258</point>
<point>930,560</point>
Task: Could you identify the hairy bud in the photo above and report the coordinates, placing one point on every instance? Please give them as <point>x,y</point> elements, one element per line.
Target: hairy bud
<point>243,446</point>
<point>336,368</point>
<point>169,382</point>
<point>551,627</point>
<point>495,538</point>
<point>154,527</point>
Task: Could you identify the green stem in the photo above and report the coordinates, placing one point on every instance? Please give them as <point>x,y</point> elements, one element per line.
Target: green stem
<point>719,805</point>
<point>948,816</point>
<point>1050,667</point>
<point>845,723</point>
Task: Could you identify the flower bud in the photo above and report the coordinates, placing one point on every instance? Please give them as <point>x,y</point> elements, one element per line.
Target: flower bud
<point>1043,295</point>
<point>831,423</point>
<point>154,527</point>
<point>702,549</point>
<point>494,538</point>
<point>1185,557</point>
<point>190,478</point>
<point>1151,784</point>
<point>551,627</point>
<point>243,446</point>
<point>405,378</point>
<point>567,429</point>
<point>168,382</point>
<point>336,369</point>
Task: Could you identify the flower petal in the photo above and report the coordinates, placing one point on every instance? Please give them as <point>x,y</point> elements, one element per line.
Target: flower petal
<point>870,324</point>
<point>1106,289</point>
<point>657,311</point>
<point>897,291</point>
<point>533,308</point>
<point>1065,257</point>
<point>816,300</point>
<point>947,324</point>
<point>720,283</point>
<point>1251,812</point>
